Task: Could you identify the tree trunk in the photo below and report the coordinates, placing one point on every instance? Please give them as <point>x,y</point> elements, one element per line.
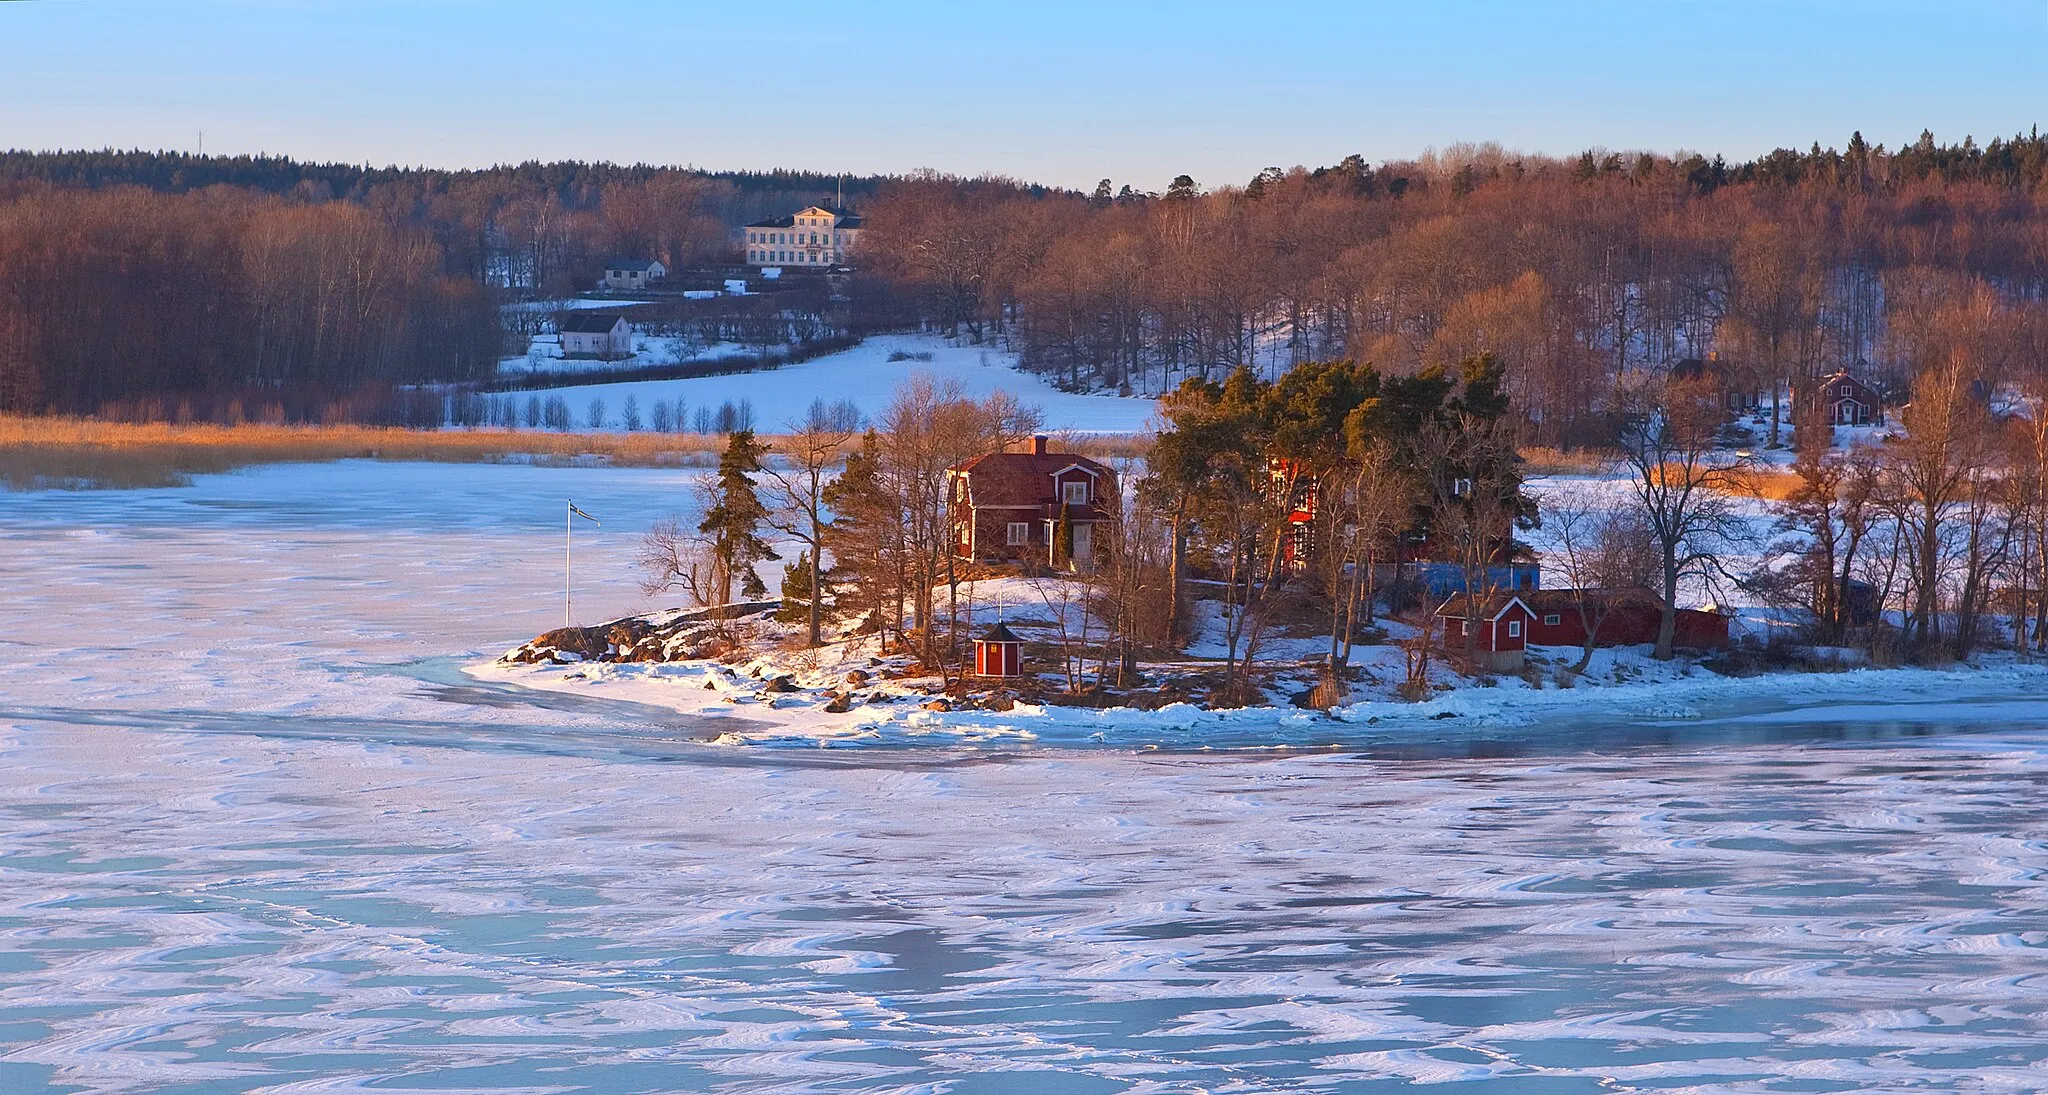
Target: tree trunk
<point>1667,620</point>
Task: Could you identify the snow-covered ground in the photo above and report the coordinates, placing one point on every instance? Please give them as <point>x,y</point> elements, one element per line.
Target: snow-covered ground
<point>573,304</point>
<point>258,833</point>
<point>544,355</point>
<point>866,376</point>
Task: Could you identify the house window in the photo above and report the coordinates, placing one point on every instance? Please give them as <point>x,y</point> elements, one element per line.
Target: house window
<point>1514,629</point>
<point>1019,533</point>
<point>1074,494</point>
<point>1553,619</point>
<point>1845,390</point>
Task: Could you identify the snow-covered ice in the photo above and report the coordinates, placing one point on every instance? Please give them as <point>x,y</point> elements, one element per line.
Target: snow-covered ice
<point>258,833</point>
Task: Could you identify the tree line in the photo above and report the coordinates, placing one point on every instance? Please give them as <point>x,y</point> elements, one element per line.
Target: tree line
<point>1576,273</point>
<point>136,304</point>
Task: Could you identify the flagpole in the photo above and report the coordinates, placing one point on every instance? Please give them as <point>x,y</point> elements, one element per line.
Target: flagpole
<point>568,561</point>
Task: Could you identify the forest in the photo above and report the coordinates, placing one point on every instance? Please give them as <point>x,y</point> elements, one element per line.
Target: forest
<point>162,285</point>
<point>1576,272</point>
<point>155,286</point>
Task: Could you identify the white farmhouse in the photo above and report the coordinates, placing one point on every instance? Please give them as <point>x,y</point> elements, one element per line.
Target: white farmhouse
<point>604,335</point>
<point>633,273</point>
<point>811,236</point>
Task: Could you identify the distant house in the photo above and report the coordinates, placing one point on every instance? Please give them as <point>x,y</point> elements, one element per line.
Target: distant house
<point>1624,618</point>
<point>604,335</point>
<point>811,236</point>
<point>632,273</point>
<point>1738,393</point>
<point>1502,638</point>
<point>1844,400</point>
<point>1030,506</point>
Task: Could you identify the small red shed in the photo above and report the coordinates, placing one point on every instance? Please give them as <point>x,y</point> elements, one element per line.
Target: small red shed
<point>1503,629</point>
<point>1000,653</point>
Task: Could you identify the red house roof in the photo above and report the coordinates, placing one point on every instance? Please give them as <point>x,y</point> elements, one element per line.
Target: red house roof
<point>1491,607</point>
<point>1025,479</point>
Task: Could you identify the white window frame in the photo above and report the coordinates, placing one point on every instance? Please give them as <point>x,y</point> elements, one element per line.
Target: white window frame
<point>1069,489</point>
<point>1018,534</point>
<point>1514,629</point>
<point>1553,619</point>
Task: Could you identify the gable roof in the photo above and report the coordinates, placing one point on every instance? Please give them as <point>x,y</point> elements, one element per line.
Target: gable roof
<point>589,323</point>
<point>1021,478</point>
<point>1843,376</point>
<point>1491,607</point>
<point>1545,601</point>
<point>631,264</point>
<point>999,634</point>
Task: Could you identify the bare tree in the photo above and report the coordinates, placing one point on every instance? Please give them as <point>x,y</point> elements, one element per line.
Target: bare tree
<point>1684,487</point>
<point>797,506</point>
<point>674,555</point>
<point>1603,555</point>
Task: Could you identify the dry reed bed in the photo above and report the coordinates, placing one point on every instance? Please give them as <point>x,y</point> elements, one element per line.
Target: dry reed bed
<point>78,453</point>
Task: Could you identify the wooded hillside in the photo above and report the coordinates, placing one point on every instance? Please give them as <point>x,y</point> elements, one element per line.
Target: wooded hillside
<point>1573,272</point>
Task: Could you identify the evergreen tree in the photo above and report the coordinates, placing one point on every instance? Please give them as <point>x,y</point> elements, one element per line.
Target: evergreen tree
<point>796,591</point>
<point>865,536</point>
<point>734,519</point>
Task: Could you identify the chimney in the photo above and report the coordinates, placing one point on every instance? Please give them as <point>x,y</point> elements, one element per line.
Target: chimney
<point>1038,444</point>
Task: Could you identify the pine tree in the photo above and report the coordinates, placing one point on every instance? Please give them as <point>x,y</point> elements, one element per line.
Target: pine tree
<point>796,591</point>
<point>865,536</point>
<point>734,519</point>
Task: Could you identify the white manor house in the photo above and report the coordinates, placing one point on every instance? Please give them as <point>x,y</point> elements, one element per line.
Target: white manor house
<point>811,236</point>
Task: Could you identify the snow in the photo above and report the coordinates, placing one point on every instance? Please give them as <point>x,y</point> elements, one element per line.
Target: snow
<point>573,304</point>
<point>544,355</point>
<point>865,375</point>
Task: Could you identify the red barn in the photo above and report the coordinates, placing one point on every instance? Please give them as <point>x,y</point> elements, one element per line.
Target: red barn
<point>1504,620</point>
<point>1631,618</point>
<point>1035,505</point>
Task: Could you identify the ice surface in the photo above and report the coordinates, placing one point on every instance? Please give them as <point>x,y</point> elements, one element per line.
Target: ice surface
<point>258,834</point>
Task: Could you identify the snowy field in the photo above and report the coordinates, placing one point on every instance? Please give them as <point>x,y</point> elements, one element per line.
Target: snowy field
<point>259,833</point>
<point>866,376</point>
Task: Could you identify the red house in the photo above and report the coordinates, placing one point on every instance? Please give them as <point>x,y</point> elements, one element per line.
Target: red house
<point>1504,620</point>
<point>1624,617</point>
<point>1843,400</point>
<point>1035,505</point>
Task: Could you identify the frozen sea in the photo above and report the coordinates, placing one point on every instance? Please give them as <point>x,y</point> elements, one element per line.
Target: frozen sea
<point>258,833</point>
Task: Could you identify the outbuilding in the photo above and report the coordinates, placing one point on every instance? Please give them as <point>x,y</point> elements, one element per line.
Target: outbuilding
<point>1502,622</point>
<point>633,273</point>
<point>999,653</point>
<point>604,335</point>
<point>1625,617</point>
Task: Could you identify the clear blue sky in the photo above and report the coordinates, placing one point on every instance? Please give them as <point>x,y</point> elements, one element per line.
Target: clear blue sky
<point>1050,90</point>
